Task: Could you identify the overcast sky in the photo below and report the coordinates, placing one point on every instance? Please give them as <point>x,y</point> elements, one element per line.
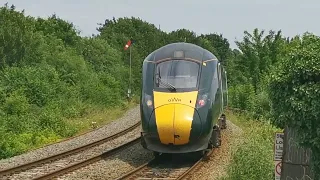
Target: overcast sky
<point>228,17</point>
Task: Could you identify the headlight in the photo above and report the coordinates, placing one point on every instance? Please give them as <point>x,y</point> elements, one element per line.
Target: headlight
<point>148,100</point>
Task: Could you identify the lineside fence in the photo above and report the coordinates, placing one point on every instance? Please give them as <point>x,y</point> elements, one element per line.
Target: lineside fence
<point>296,160</point>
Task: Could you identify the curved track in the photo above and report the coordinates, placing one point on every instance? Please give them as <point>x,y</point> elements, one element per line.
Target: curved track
<point>166,168</point>
<point>34,164</point>
<point>88,161</point>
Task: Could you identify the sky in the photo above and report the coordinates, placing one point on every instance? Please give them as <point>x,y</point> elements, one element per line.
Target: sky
<point>228,17</point>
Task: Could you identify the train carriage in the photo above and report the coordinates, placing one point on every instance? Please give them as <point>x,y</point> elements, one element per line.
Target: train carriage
<point>184,94</point>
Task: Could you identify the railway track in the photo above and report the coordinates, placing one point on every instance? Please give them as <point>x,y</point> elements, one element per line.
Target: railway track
<point>7,173</point>
<point>170,167</point>
<point>86,162</point>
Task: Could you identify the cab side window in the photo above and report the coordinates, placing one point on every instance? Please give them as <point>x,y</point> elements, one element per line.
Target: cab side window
<point>214,84</point>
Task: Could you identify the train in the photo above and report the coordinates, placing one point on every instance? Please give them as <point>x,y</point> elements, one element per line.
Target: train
<point>183,99</point>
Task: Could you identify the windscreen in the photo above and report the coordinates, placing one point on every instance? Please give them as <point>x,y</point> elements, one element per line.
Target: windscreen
<point>178,73</point>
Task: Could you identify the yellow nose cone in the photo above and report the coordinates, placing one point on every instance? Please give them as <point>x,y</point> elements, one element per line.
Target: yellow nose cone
<point>174,123</point>
<point>183,117</point>
<point>174,115</point>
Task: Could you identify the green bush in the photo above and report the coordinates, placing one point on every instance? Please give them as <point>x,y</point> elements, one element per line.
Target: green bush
<point>295,92</point>
<point>241,96</point>
<point>48,74</point>
<point>261,106</point>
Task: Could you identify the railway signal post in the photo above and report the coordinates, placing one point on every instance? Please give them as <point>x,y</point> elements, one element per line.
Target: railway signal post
<point>128,46</point>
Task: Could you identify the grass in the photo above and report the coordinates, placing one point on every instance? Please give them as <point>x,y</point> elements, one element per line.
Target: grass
<point>84,124</point>
<point>100,117</point>
<point>253,159</point>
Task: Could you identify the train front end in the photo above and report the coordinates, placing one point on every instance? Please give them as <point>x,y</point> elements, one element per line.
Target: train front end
<point>171,101</point>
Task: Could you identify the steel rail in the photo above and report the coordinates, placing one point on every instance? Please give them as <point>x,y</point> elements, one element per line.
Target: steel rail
<point>134,174</point>
<point>86,162</point>
<point>58,156</point>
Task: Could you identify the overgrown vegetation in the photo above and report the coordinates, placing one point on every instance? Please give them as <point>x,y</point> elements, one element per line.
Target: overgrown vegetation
<point>282,84</point>
<point>295,93</point>
<point>253,158</point>
<point>51,76</point>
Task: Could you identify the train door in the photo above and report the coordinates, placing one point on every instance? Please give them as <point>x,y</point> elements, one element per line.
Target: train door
<point>226,88</point>
<point>216,91</point>
<point>220,88</point>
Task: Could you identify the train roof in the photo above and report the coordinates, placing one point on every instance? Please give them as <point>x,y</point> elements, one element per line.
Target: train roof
<point>181,50</point>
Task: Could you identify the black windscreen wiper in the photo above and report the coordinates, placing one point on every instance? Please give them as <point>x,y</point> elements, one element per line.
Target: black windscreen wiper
<point>168,85</point>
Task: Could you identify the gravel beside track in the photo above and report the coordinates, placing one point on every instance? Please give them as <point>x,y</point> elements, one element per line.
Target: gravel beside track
<point>49,167</point>
<point>130,118</point>
<point>216,167</point>
<point>114,166</point>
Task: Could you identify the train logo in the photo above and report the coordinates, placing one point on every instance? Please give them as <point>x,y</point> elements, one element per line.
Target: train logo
<point>174,100</point>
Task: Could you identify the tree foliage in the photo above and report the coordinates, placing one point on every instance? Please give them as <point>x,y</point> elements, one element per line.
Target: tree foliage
<point>49,73</point>
<point>259,54</point>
